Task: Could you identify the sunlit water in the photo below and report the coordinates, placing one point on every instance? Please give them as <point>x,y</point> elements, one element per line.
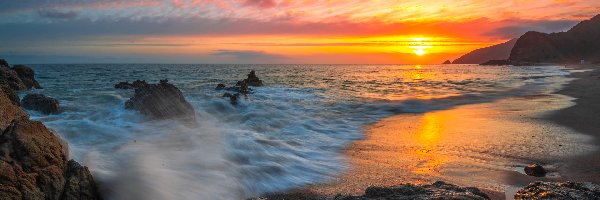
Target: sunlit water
<point>289,133</point>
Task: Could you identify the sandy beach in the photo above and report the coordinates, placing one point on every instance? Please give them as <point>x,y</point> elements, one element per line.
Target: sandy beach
<point>482,145</point>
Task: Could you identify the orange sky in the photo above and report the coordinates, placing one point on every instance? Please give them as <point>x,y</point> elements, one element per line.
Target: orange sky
<point>272,31</point>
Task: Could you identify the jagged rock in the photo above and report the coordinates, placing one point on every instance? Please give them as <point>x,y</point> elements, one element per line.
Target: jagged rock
<point>559,190</point>
<point>42,103</point>
<point>161,101</point>
<point>252,80</point>
<point>27,75</point>
<point>11,78</point>
<point>535,170</point>
<point>10,93</point>
<point>220,86</point>
<point>437,190</point>
<point>126,85</point>
<point>496,62</point>
<point>33,160</point>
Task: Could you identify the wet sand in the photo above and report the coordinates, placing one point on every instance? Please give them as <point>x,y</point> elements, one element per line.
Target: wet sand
<point>585,118</point>
<point>482,145</point>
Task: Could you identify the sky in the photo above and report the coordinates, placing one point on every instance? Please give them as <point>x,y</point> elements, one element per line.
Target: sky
<point>271,31</point>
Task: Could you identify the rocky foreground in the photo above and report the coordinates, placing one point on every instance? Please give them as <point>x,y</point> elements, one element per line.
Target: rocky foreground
<point>34,162</point>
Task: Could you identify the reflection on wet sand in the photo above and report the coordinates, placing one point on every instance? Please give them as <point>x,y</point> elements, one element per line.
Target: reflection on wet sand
<point>480,145</point>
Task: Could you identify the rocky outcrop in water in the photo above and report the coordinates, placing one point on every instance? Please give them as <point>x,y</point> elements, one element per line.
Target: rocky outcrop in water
<point>34,162</point>
<point>495,52</point>
<point>161,101</point>
<point>20,77</point>
<point>252,80</point>
<point>126,85</point>
<point>447,62</point>
<point>27,75</point>
<point>437,190</point>
<point>496,63</point>
<point>41,103</point>
<point>579,43</point>
<point>559,190</point>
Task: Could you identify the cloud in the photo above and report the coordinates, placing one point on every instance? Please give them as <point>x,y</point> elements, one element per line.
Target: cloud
<point>56,14</point>
<point>245,54</point>
<point>260,3</point>
<point>516,28</point>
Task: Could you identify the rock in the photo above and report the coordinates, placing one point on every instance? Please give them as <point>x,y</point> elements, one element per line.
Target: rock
<point>447,62</point>
<point>535,170</point>
<point>252,80</point>
<point>11,78</point>
<point>437,190</point>
<point>126,85</point>
<point>40,102</point>
<point>161,101</point>
<point>559,190</point>
<point>232,98</point>
<point>3,63</point>
<point>220,86</point>
<point>27,75</point>
<point>496,62</point>
<point>10,93</point>
<point>33,161</point>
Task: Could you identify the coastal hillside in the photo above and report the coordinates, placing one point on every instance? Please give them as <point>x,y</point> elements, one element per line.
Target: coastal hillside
<point>495,52</point>
<point>579,43</point>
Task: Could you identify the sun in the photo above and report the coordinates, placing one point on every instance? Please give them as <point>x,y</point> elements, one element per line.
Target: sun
<point>419,45</point>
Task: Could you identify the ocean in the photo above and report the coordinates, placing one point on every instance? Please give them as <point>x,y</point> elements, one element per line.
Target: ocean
<point>289,133</point>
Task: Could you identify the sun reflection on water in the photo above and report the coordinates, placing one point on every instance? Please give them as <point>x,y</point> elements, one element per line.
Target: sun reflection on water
<point>430,133</point>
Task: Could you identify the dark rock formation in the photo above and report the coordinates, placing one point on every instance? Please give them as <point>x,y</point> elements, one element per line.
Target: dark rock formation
<point>252,80</point>
<point>535,170</point>
<point>27,75</point>
<point>40,102</point>
<point>19,77</point>
<point>437,190</point>
<point>232,97</point>
<point>496,62</point>
<point>34,162</point>
<point>447,62</point>
<point>220,86</point>
<point>161,101</point>
<point>126,85</point>
<point>496,52</point>
<point>559,190</point>
<point>579,43</point>
<point>10,93</point>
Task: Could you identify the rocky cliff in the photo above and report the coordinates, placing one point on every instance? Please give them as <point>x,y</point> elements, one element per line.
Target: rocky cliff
<point>496,52</point>
<point>581,42</point>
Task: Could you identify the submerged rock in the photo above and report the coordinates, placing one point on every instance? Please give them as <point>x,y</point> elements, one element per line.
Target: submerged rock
<point>126,85</point>
<point>161,101</point>
<point>42,103</point>
<point>27,75</point>
<point>232,98</point>
<point>220,86</point>
<point>437,190</point>
<point>559,190</point>
<point>34,162</point>
<point>535,170</point>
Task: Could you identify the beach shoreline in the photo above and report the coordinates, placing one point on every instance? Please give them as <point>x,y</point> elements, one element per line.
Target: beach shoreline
<point>371,162</point>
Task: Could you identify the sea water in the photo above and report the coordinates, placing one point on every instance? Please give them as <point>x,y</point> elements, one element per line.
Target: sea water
<point>289,133</point>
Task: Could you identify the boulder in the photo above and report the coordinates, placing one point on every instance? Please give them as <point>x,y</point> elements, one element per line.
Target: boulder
<point>11,78</point>
<point>10,93</point>
<point>232,98</point>
<point>252,80</point>
<point>220,86</point>
<point>535,170</point>
<point>559,190</point>
<point>41,103</point>
<point>3,63</point>
<point>161,101</point>
<point>27,75</point>
<point>34,161</point>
